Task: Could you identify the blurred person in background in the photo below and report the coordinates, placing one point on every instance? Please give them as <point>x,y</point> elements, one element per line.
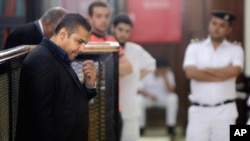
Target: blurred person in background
<point>159,89</point>
<point>99,17</point>
<point>32,33</point>
<point>213,65</point>
<point>142,63</point>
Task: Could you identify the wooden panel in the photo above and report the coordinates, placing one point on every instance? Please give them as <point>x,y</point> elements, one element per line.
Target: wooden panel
<point>195,20</point>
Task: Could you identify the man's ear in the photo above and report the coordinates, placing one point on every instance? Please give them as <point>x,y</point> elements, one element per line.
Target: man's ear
<point>63,33</point>
<point>46,24</point>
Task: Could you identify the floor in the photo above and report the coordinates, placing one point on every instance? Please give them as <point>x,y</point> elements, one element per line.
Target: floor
<point>155,131</point>
<point>160,134</point>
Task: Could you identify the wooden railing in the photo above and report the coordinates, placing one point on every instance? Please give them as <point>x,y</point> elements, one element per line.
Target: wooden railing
<point>103,110</point>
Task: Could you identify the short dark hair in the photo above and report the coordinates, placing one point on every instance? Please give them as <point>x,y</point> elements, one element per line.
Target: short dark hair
<point>122,18</point>
<point>96,4</point>
<point>71,22</point>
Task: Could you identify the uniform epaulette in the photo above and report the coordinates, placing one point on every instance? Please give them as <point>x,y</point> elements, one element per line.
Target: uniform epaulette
<point>237,43</point>
<point>194,40</point>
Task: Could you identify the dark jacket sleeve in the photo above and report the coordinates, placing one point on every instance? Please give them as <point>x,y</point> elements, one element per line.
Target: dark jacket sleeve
<point>91,93</point>
<point>27,34</point>
<point>12,41</point>
<point>41,79</point>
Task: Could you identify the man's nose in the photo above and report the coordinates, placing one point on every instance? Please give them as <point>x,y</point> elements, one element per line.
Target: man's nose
<point>82,47</point>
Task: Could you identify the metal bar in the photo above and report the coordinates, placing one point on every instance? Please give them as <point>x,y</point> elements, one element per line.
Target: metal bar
<point>91,47</point>
<point>6,55</point>
<point>10,106</point>
<point>116,96</point>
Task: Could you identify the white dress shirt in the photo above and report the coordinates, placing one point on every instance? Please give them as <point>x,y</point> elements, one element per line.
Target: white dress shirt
<point>140,60</point>
<point>156,86</point>
<point>41,26</point>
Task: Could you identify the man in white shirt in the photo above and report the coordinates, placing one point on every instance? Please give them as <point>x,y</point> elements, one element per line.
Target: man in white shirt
<point>159,89</point>
<point>213,65</point>
<point>142,63</point>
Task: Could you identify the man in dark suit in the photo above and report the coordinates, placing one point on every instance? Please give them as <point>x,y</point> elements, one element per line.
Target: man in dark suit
<point>32,33</point>
<point>53,104</point>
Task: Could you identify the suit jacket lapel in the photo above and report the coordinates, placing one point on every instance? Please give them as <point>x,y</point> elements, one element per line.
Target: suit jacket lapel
<point>72,74</point>
<point>67,67</point>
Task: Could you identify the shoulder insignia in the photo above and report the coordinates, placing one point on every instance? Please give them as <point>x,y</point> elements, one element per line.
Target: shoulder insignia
<point>237,43</point>
<point>194,40</point>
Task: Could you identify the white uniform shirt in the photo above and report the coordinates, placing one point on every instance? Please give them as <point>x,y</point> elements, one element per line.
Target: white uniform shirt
<point>140,60</point>
<point>156,85</point>
<point>202,55</point>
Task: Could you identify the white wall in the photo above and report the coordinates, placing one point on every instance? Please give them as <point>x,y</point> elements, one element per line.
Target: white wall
<point>247,37</point>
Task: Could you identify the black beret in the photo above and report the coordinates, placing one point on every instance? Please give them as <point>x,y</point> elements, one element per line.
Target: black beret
<point>223,15</point>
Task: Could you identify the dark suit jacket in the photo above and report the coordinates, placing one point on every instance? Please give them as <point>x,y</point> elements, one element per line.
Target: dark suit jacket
<point>53,105</point>
<point>27,34</point>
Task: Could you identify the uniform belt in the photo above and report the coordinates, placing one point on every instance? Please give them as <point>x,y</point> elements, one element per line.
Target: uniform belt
<point>214,105</point>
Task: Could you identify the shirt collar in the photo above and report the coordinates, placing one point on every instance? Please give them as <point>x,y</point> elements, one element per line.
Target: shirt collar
<point>209,41</point>
<point>41,26</point>
<point>99,36</point>
<point>59,51</point>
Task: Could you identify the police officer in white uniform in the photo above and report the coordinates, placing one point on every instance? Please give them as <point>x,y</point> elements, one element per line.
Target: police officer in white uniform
<point>159,90</point>
<point>212,65</point>
<point>142,63</point>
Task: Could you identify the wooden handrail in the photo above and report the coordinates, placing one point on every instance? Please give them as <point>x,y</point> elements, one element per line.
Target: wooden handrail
<point>91,47</point>
<point>101,47</point>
